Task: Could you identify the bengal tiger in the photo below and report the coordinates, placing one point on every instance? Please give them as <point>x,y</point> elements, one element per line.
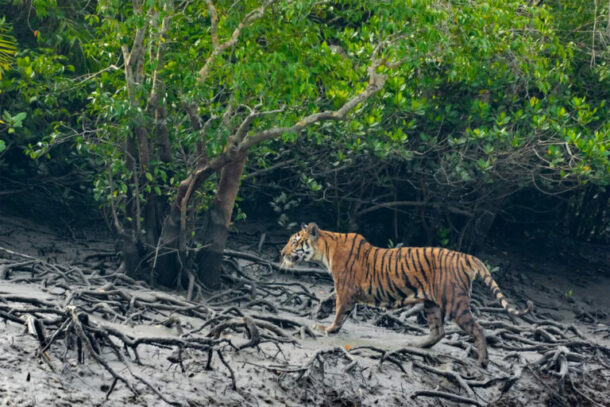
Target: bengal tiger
<point>362,273</point>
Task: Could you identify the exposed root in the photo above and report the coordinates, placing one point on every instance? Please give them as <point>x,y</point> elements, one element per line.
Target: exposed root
<point>94,316</point>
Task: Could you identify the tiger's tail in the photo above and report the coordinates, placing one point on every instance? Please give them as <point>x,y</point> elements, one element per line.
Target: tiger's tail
<point>485,275</point>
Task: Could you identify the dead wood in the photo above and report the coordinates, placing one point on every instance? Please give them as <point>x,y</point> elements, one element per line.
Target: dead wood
<point>90,315</point>
<point>447,396</point>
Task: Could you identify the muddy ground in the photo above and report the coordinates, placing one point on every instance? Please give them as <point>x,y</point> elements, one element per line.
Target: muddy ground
<point>157,345</point>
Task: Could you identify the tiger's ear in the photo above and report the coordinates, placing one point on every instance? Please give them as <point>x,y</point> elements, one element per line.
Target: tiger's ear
<point>313,230</point>
<point>304,226</point>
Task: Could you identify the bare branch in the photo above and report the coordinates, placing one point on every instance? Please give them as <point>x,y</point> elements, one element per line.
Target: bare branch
<point>415,203</point>
<point>214,23</point>
<point>195,119</point>
<point>218,48</point>
<point>157,84</point>
<point>133,57</point>
<point>375,84</point>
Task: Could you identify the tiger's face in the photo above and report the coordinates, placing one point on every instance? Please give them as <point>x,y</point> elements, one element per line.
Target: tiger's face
<point>300,246</point>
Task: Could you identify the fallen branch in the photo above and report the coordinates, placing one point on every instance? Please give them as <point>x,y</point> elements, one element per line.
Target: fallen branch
<point>316,272</point>
<point>448,396</point>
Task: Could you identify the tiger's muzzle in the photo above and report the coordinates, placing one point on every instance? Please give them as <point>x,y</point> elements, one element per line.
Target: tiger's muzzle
<point>288,261</point>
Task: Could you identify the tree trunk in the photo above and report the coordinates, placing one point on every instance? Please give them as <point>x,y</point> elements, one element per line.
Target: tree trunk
<point>167,262</point>
<point>131,254</point>
<point>209,258</point>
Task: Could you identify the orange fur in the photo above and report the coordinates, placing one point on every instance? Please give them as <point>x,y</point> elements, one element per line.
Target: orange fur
<point>362,273</point>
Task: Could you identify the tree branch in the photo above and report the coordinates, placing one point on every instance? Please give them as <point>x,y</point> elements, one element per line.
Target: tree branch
<point>415,203</point>
<point>375,84</point>
<point>157,84</point>
<point>218,48</point>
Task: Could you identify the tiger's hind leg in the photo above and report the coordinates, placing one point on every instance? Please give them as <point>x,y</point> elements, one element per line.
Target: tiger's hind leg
<point>466,321</point>
<point>434,316</point>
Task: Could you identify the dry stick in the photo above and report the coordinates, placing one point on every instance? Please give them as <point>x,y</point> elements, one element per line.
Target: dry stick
<point>353,363</point>
<point>382,358</point>
<point>280,321</point>
<point>456,377</point>
<point>222,359</point>
<point>305,291</point>
<point>65,326</point>
<point>297,270</point>
<point>394,320</point>
<point>276,330</point>
<point>12,318</point>
<point>134,344</point>
<point>252,329</point>
<point>407,312</point>
<point>552,391</point>
<point>448,396</point>
<point>265,303</point>
<point>78,328</point>
<point>112,386</point>
<point>26,256</point>
<point>261,242</point>
<point>593,402</point>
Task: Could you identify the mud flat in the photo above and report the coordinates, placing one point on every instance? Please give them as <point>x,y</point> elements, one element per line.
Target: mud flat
<point>75,332</point>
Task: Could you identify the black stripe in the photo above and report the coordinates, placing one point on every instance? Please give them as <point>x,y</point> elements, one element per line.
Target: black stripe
<point>385,254</point>
<point>368,263</point>
<point>388,265</point>
<point>461,272</point>
<point>419,267</point>
<point>415,274</point>
<point>406,277</point>
<point>461,314</point>
<point>357,256</point>
<point>349,255</point>
<point>398,256</point>
<point>443,278</point>
<point>450,266</point>
<point>381,270</point>
<point>373,265</point>
<point>426,255</point>
<point>448,280</point>
<point>399,290</point>
<point>393,290</point>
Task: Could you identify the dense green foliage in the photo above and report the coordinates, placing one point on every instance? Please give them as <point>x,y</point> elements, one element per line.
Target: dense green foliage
<point>493,98</point>
<point>488,106</point>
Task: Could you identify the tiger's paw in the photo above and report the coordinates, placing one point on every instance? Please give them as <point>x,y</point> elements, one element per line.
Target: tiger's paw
<point>320,327</point>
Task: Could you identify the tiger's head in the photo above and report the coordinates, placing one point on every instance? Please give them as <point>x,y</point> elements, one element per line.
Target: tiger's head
<point>301,246</point>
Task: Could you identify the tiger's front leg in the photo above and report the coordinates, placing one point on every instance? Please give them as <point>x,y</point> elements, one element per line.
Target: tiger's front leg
<point>343,308</point>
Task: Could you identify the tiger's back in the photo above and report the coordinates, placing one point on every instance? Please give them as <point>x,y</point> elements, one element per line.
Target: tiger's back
<point>398,277</point>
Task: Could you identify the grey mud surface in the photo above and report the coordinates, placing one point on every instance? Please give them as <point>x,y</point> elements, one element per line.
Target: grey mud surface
<point>269,375</point>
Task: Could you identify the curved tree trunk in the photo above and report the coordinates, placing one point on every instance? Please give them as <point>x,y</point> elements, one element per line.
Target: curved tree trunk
<point>171,257</point>
<point>209,258</point>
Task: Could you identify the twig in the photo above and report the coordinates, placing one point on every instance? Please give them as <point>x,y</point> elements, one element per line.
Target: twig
<point>447,396</point>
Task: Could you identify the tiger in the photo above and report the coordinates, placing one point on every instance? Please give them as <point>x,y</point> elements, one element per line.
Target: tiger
<point>362,273</point>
